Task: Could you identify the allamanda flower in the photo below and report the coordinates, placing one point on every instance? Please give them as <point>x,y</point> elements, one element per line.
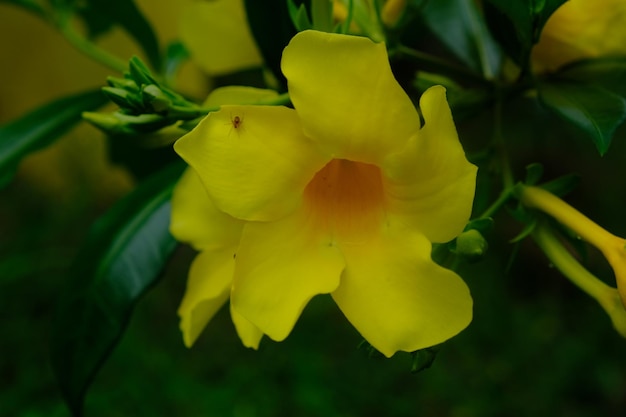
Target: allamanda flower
<point>581,29</point>
<point>343,195</point>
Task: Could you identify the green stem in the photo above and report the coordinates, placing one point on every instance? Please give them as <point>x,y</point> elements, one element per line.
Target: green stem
<point>500,144</point>
<point>91,50</point>
<point>504,196</point>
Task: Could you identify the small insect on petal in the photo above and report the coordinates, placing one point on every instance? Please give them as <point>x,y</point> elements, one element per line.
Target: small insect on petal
<point>237,124</point>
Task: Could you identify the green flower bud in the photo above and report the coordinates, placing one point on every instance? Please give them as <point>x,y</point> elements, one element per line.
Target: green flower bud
<point>471,244</point>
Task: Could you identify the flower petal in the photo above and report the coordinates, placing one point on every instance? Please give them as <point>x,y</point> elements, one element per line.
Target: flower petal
<point>280,267</point>
<point>398,298</point>
<point>253,160</point>
<point>430,183</point>
<point>196,220</point>
<point>249,334</point>
<point>237,94</point>
<point>218,37</point>
<point>370,117</point>
<point>208,289</point>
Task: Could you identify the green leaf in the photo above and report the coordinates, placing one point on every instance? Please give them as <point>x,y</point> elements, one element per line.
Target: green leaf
<point>41,127</point>
<point>596,111</point>
<point>272,29</point>
<point>100,15</point>
<point>606,72</point>
<point>122,258</point>
<point>461,27</point>
<point>517,24</point>
<point>299,16</point>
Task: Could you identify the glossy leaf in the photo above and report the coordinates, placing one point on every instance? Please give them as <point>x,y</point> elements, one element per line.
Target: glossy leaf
<point>461,27</point>
<point>606,72</point>
<point>122,258</point>
<point>517,24</point>
<point>41,127</point>
<point>598,112</point>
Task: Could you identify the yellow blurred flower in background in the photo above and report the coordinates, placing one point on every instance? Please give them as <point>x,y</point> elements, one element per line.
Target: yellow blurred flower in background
<point>342,195</point>
<point>217,35</point>
<point>581,29</point>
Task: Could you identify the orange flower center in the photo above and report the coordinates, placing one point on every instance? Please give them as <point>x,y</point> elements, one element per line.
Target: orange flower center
<point>347,199</point>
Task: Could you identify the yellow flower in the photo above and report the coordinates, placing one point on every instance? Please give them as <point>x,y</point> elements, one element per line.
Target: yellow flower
<point>581,29</point>
<point>218,36</point>
<point>612,247</point>
<point>342,195</point>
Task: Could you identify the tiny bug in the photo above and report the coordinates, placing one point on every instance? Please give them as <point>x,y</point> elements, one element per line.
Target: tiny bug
<point>236,123</point>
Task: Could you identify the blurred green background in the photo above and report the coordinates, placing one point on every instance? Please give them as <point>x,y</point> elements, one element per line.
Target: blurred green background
<point>537,346</point>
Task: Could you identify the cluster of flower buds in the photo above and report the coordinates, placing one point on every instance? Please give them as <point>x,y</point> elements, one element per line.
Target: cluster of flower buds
<point>145,105</point>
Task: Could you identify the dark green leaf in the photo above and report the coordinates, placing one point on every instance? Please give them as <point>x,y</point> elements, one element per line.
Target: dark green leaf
<point>461,27</point>
<point>596,111</point>
<point>299,16</point>
<point>607,72</point>
<point>41,127</point>
<point>517,25</point>
<point>100,15</point>
<point>122,258</point>
<point>272,29</point>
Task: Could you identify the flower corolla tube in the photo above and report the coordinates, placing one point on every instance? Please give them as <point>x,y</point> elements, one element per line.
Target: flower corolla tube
<point>342,195</point>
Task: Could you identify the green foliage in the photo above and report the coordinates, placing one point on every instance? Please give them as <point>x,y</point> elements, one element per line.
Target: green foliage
<point>272,29</point>
<point>299,16</point>
<point>606,72</point>
<point>596,111</point>
<point>518,24</point>
<point>40,128</point>
<point>461,27</point>
<point>504,120</point>
<point>101,15</point>
<point>145,104</point>
<point>121,259</point>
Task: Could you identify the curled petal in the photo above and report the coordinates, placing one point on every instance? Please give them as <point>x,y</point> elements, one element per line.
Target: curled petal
<point>430,183</point>
<point>280,267</point>
<point>249,334</point>
<point>196,220</point>
<point>208,288</point>
<point>398,298</point>
<point>350,104</point>
<point>253,160</point>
